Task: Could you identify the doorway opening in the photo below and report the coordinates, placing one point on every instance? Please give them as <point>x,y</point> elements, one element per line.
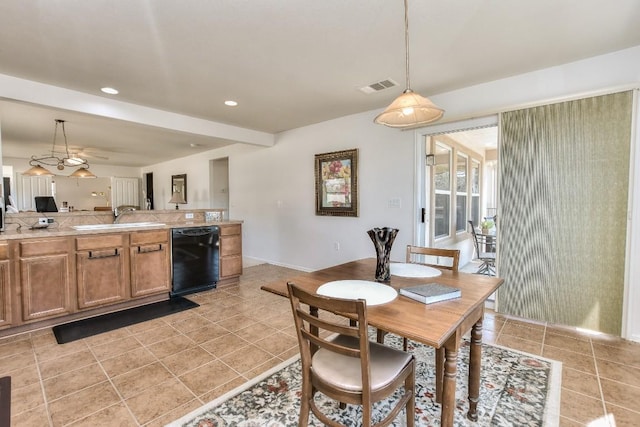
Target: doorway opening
<point>219,184</point>
<point>459,185</point>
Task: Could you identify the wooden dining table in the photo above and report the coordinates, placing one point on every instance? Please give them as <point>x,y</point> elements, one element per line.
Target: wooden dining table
<point>440,325</point>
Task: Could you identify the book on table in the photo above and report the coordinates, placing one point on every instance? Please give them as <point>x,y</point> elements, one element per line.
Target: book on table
<point>431,292</point>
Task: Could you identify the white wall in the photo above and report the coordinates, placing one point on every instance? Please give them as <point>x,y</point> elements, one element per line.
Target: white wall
<point>272,190</point>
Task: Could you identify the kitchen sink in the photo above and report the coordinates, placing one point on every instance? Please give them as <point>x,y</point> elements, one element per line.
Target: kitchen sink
<point>86,227</point>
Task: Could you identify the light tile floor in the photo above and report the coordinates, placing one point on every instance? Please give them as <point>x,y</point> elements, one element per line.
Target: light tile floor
<point>154,372</point>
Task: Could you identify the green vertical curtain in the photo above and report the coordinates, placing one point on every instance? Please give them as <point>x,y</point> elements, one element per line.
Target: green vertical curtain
<point>563,193</point>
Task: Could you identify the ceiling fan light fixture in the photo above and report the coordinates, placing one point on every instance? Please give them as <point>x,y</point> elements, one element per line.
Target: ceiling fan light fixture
<point>409,109</point>
<point>75,161</point>
<point>60,163</point>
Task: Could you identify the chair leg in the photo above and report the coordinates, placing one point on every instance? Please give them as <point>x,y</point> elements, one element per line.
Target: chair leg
<point>380,334</point>
<point>410,409</point>
<point>405,344</point>
<point>304,406</point>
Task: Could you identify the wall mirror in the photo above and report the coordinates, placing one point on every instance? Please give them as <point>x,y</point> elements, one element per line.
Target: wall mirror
<point>179,185</point>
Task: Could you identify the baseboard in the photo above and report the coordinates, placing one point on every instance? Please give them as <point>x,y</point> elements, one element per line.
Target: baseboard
<point>251,261</point>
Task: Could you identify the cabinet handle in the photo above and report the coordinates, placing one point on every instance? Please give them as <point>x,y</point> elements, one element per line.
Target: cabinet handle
<point>146,250</point>
<point>103,254</point>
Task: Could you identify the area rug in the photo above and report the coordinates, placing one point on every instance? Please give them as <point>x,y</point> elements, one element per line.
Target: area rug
<point>517,389</point>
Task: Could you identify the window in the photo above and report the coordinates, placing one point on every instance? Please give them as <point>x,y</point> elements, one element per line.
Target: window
<point>475,191</point>
<point>455,187</point>
<point>461,192</point>
<point>442,189</point>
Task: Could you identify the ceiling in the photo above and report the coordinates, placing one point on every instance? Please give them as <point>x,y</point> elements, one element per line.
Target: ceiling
<point>288,63</point>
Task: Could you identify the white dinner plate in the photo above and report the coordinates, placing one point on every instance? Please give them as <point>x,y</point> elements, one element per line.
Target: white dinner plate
<point>413,270</point>
<point>373,292</point>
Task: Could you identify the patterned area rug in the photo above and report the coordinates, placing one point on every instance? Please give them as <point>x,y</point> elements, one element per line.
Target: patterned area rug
<point>517,389</point>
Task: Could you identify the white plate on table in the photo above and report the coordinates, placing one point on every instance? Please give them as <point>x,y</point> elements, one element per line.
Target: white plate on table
<point>413,270</point>
<point>373,292</point>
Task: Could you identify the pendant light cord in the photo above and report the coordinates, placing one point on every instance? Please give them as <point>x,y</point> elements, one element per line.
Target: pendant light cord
<point>406,41</point>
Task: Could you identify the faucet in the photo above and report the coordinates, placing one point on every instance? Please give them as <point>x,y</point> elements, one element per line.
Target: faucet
<point>120,211</point>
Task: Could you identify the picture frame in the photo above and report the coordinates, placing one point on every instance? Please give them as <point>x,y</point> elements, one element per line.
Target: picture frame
<point>336,183</point>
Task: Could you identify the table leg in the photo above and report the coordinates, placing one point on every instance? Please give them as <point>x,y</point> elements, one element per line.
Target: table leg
<point>475,360</point>
<point>449,383</point>
<point>439,373</point>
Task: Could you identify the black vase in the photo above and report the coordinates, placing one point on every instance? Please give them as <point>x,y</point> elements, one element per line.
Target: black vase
<point>382,239</point>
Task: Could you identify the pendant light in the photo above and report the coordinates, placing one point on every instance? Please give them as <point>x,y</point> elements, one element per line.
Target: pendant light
<point>36,163</point>
<point>38,170</point>
<point>410,108</point>
<point>82,172</point>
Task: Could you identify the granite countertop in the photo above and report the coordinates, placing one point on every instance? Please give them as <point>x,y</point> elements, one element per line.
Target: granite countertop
<point>55,230</point>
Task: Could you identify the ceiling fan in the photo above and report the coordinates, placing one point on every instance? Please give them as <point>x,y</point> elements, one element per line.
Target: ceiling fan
<point>86,153</point>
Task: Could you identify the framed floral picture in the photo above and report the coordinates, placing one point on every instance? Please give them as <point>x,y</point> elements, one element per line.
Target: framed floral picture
<point>337,183</point>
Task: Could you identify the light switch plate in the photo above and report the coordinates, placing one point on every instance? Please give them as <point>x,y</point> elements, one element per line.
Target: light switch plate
<point>188,215</point>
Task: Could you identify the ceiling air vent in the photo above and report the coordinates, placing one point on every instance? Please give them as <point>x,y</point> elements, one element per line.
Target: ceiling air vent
<point>378,86</point>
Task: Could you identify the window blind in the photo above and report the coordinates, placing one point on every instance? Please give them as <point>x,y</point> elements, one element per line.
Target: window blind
<point>563,191</point>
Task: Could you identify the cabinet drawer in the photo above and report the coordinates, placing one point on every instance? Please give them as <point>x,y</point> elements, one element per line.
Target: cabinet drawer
<point>100,242</point>
<point>226,230</point>
<point>34,248</point>
<point>4,251</point>
<point>143,237</point>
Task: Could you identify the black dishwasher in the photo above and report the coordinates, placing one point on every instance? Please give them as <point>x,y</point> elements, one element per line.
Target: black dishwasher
<point>194,259</point>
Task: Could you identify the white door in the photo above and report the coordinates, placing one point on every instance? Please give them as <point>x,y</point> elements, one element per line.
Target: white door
<point>28,187</point>
<point>125,191</point>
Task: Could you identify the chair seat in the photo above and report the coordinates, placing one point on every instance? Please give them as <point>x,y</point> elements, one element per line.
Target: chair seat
<point>344,372</point>
<point>487,256</point>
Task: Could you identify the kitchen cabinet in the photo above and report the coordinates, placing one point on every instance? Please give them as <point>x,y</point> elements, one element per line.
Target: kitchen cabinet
<point>230,252</point>
<point>150,262</point>
<point>101,270</point>
<point>5,287</point>
<point>46,278</point>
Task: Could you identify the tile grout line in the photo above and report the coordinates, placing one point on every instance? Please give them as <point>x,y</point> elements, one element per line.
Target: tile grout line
<point>595,364</point>
<point>544,338</point>
<point>41,381</point>
<point>122,399</point>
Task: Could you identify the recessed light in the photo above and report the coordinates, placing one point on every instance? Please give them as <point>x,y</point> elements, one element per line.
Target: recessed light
<point>110,90</point>
<point>230,103</point>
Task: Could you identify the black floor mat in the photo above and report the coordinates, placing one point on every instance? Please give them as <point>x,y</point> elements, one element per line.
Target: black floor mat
<point>108,322</point>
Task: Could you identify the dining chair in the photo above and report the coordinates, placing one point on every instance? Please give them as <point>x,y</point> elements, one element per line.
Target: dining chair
<point>485,247</point>
<point>339,361</point>
<point>452,256</point>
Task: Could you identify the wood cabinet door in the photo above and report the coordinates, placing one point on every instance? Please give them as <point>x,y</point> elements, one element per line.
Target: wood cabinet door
<point>230,251</point>
<point>230,266</point>
<point>45,286</point>
<point>149,269</point>
<point>101,277</point>
<point>5,294</point>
